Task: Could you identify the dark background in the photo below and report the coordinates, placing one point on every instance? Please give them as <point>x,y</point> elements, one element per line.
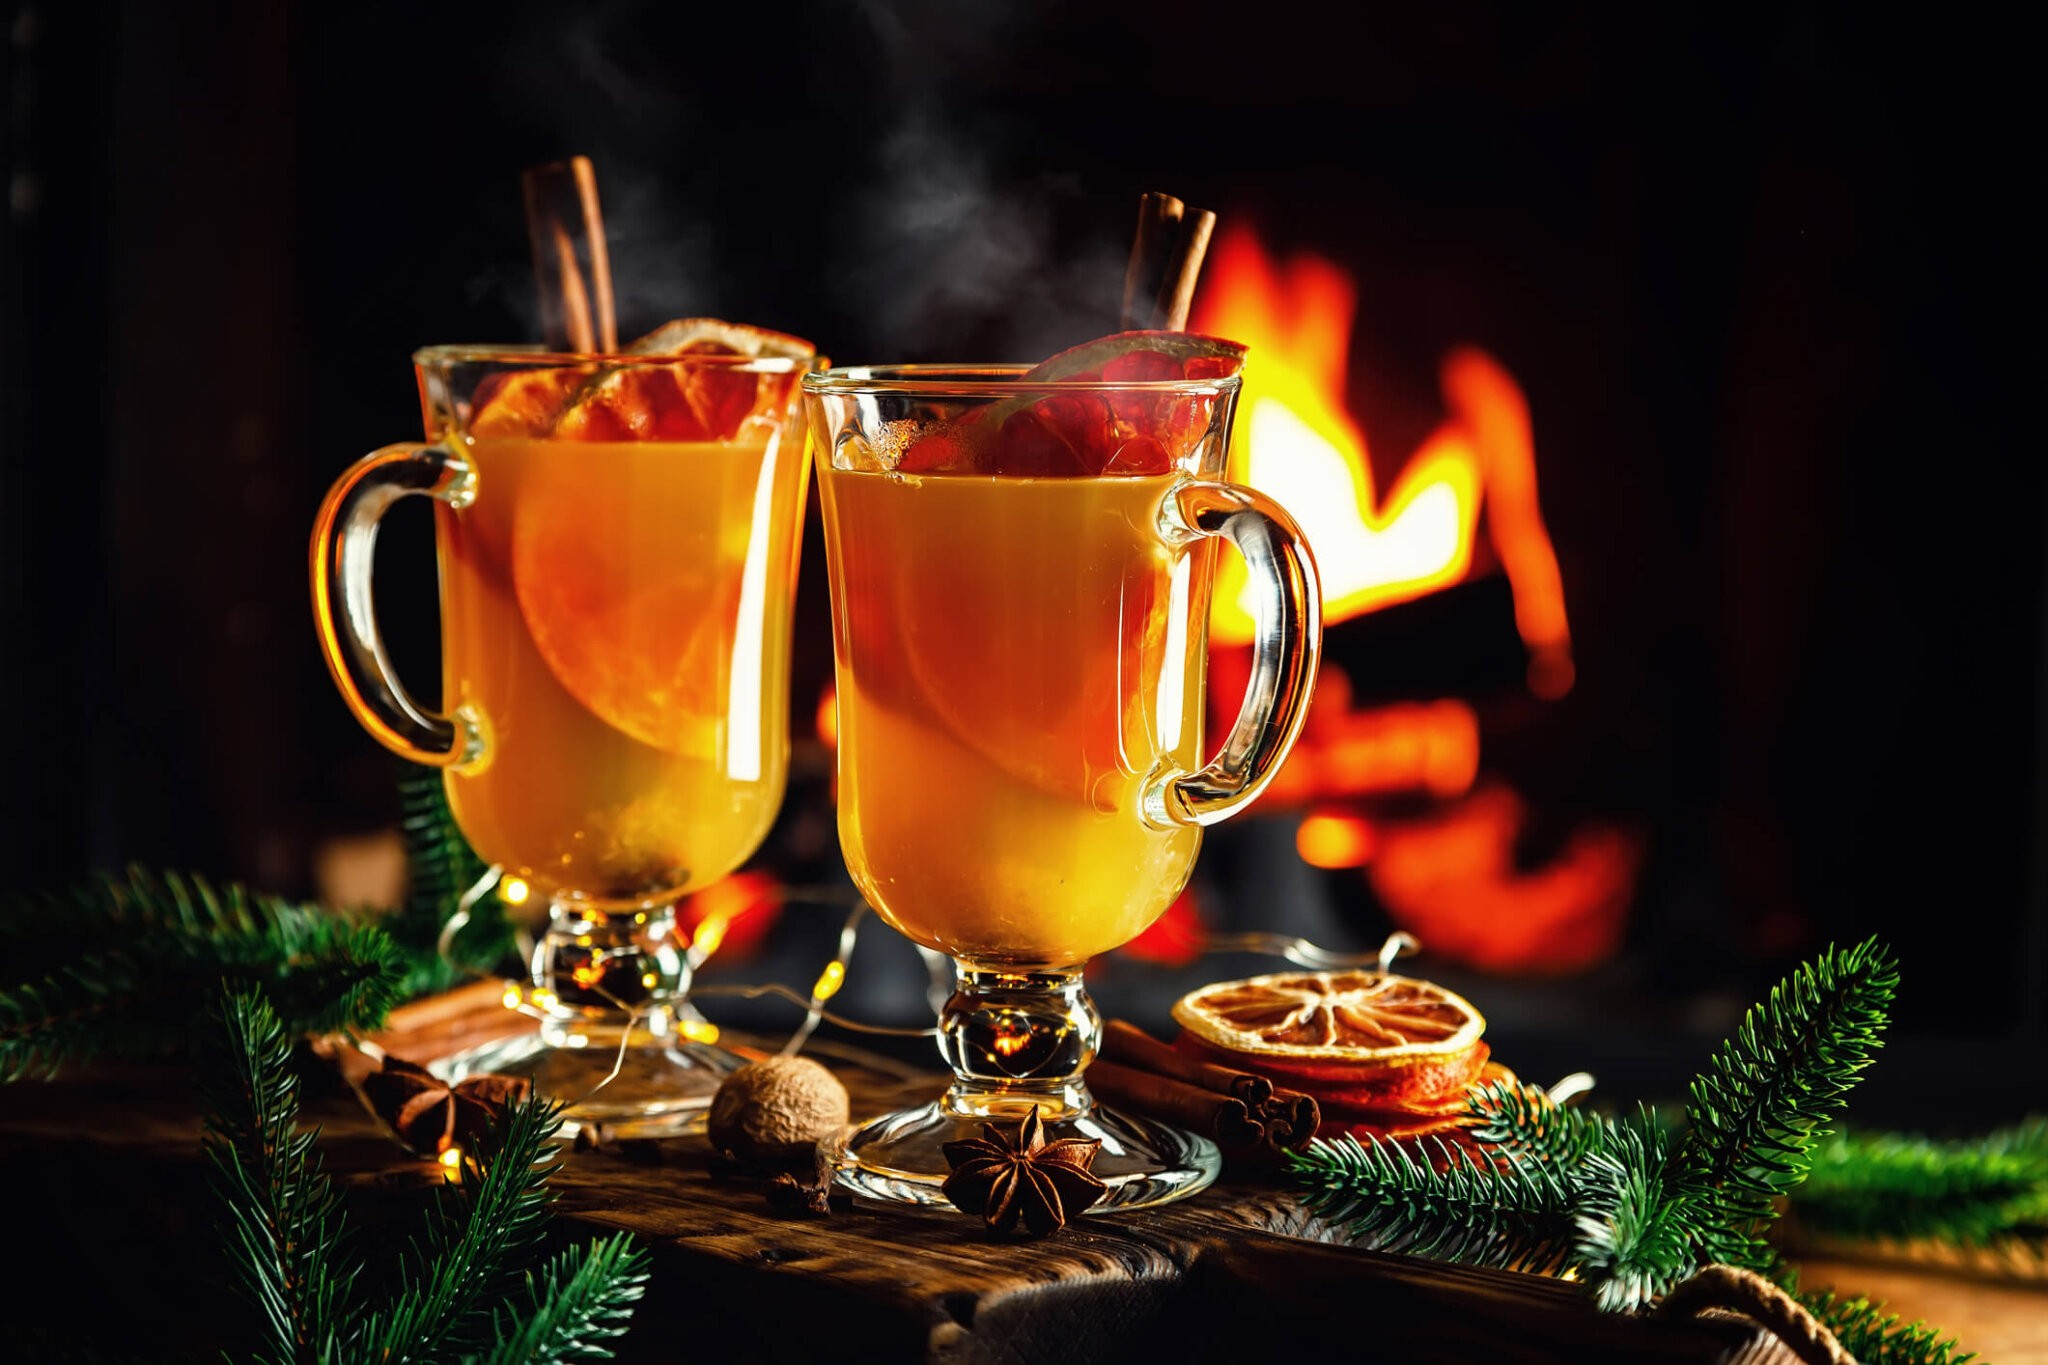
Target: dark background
<point>1771,283</point>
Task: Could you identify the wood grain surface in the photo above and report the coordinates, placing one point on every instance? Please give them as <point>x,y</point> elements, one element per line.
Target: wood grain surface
<point>111,1184</point>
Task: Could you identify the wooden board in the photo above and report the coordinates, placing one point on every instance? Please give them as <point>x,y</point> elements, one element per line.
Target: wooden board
<point>1231,1272</point>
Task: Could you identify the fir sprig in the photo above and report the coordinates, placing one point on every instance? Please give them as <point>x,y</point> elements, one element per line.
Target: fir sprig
<point>466,1289</point>
<point>465,1263</point>
<point>1633,1207</point>
<point>1966,1193</point>
<point>149,950</point>
<point>1639,1225</point>
<point>441,869</point>
<point>285,1215</point>
<point>1875,1337</point>
<point>1518,1120</point>
<point>579,1300</point>
<point>1438,1201</point>
<point>1769,1090</point>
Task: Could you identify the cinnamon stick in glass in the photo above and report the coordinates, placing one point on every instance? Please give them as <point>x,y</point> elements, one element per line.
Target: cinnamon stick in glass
<point>572,267</point>
<point>1166,260</point>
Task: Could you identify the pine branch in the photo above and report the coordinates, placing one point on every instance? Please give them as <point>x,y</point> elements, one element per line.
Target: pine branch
<point>441,869</point>
<point>154,950</point>
<point>1965,1193</point>
<point>1639,1225</point>
<point>1875,1337</point>
<point>464,1265</point>
<point>1760,1106</point>
<point>1447,1205</point>
<point>1522,1122</point>
<point>285,1221</point>
<point>578,1302</point>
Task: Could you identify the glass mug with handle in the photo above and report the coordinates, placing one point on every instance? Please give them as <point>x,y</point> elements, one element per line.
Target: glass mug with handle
<point>618,539</point>
<point>1020,580</point>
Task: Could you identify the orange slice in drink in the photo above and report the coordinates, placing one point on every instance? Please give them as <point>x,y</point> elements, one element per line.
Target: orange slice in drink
<point>1358,1039</point>
<point>1087,434</point>
<point>627,577</point>
<point>522,402</point>
<point>634,626</point>
<point>701,400</point>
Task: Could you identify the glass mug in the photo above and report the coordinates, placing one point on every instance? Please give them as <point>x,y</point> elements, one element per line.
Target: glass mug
<point>1020,631</point>
<point>618,539</point>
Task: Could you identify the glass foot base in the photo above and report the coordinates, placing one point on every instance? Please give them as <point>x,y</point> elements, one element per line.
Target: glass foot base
<point>899,1157</point>
<point>663,1088</point>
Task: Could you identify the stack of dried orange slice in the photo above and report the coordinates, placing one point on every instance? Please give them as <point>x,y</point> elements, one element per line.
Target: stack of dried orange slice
<point>1383,1055</point>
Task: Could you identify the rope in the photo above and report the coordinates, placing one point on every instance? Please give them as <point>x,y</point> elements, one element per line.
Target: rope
<point>1727,1288</point>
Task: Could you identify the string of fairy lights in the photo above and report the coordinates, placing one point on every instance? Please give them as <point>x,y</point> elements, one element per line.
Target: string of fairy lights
<point>538,1002</point>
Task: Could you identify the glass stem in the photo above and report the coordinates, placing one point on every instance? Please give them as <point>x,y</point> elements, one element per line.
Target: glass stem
<point>596,972</point>
<point>1018,1039</point>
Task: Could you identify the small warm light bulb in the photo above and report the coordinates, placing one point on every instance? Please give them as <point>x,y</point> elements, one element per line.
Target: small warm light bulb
<point>709,935</point>
<point>649,980</point>
<point>514,890</point>
<point>829,980</point>
<point>700,1030</point>
<point>513,999</point>
<point>451,1162</point>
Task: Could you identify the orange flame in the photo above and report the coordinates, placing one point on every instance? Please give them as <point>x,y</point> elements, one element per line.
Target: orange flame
<point>1295,441</point>
<point>1451,878</point>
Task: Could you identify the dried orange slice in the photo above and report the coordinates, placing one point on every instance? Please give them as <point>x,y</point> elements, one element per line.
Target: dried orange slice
<point>522,402</point>
<point>1445,1117</point>
<point>1358,1038</point>
<point>685,402</point>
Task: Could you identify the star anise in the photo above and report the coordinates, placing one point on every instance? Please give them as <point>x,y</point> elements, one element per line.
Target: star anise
<point>427,1113</point>
<point>1005,1178</point>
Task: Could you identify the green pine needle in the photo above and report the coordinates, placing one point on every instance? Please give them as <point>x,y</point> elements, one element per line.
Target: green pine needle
<point>575,1306</point>
<point>285,1225</point>
<point>1875,1337</point>
<point>1970,1193</point>
<point>1639,1220</point>
<point>152,950</point>
<point>1522,1121</point>
<point>1445,1205</point>
<point>1757,1110</point>
<point>441,868</point>
<point>467,1263</point>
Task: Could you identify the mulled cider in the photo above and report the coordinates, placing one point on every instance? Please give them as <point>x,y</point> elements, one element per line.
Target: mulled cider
<point>616,614</point>
<point>1017,657</point>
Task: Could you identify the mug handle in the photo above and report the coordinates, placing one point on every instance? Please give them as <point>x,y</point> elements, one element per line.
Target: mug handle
<point>344,548</point>
<point>1286,648</point>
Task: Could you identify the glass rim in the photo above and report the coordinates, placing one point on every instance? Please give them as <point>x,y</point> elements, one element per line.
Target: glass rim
<point>990,381</point>
<point>515,355</point>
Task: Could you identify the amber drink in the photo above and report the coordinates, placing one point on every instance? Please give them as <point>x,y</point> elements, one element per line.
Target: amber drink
<point>1041,732</point>
<point>1021,566</point>
<point>618,542</point>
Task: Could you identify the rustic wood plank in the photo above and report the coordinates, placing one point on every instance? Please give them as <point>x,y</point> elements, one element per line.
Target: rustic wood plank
<point>1233,1270</point>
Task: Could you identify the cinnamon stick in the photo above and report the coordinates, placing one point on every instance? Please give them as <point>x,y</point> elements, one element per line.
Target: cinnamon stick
<point>1166,260</point>
<point>1228,1121</point>
<point>1127,1043</point>
<point>572,267</point>
<point>1147,1074</point>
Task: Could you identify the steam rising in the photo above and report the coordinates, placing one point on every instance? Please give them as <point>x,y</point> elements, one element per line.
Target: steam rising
<point>953,259</point>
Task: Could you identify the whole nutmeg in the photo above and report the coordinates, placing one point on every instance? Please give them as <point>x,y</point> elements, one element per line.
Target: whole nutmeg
<point>776,1109</point>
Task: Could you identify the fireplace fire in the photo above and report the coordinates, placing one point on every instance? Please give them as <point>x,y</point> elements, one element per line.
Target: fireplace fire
<point>1394,788</point>
<point>1390,795</point>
